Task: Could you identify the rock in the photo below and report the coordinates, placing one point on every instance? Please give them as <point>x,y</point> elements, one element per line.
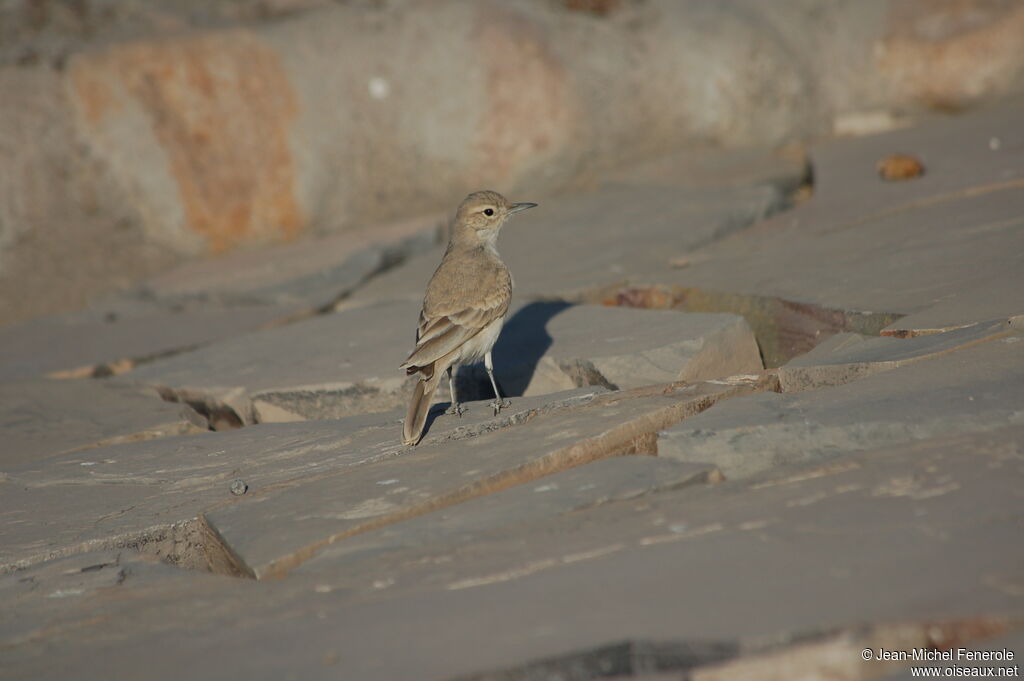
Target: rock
<point>273,530</point>
<point>856,257</point>
<point>327,366</point>
<point>784,170</point>
<point>313,272</point>
<point>118,334</point>
<point>40,597</point>
<point>511,510</point>
<point>149,140</point>
<point>976,301</point>
<point>569,248</point>
<point>546,347</point>
<point>845,170</point>
<point>898,263</point>
<point>870,122</point>
<point>861,254</point>
<point>846,356</point>
<point>863,245</point>
<point>47,182</point>
<point>874,496</point>
<point>977,388</point>
<point>933,502</point>
<point>900,167</point>
<point>719,536</point>
<point>182,109</point>
<point>939,66</point>
<point>132,494</point>
<point>346,363</point>
<point>41,420</point>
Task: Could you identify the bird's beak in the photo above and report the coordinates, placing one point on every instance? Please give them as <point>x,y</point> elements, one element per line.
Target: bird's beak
<point>516,207</point>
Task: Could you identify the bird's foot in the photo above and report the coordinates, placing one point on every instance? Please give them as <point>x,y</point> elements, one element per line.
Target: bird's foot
<point>497,405</point>
<point>456,409</point>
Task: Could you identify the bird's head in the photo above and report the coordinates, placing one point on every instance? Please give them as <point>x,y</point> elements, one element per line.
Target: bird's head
<point>485,212</point>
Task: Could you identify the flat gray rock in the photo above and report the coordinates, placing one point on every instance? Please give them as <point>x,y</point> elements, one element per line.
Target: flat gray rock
<point>598,238</point>
<point>119,334</point>
<point>346,363</point>
<point>827,531</point>
<point>136,493</point>
<point>902,262</point>
<point>883,487</point>
<point>281,527</point>
<point>978,388</point>
<point>42,597</point>
<point>311,272</point>
<point>546,347</point>
<point>962,154</point>
<point>378,555</point>
<point>327,366</point>
<point>43,419</point>
<point>857,256</point>
<point>133,494</point>
<point>206,301</point>
<point>716,168</point>
<point>849,356</point>
<point>738,562</point>
<point>911,247</point>
<point>985,299</point>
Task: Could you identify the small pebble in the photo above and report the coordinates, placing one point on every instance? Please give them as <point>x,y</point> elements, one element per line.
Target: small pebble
<point>900,167</point>
<point>238,487</point>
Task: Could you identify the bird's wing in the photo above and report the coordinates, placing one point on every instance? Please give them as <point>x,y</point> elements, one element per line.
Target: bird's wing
<point>441,334</point>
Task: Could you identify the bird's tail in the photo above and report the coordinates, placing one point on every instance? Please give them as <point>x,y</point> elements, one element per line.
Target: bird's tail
<point>419,406</point>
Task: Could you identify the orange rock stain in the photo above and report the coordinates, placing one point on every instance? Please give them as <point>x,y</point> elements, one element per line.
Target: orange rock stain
<point>220,105</point>
<point>530,110</point>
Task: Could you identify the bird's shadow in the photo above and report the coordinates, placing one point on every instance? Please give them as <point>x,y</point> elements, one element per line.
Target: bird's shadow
<point>523,342</point>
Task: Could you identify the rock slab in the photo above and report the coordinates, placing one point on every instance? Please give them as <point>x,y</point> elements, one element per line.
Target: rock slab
<point>979,388</point>
<point>546,347</point>
<point>272,532</point>
<point>346,363</point>
<point>41,420</point>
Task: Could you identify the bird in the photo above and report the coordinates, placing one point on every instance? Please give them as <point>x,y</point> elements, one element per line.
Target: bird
<point>464,308</point>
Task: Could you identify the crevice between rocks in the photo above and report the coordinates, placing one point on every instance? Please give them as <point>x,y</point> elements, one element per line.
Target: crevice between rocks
<point>219,415</point>
<point>833,654</point>
<point>188,544</point>
<point>118,366</point>
<point>386,257</point>
<point>784,329</point>
<point>794,379</point>
<point>618,660</point>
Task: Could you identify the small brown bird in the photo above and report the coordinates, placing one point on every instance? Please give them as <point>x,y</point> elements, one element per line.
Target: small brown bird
<point>464,308</point>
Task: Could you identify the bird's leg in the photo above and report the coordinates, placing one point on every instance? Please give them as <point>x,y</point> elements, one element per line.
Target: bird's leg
<point>498,404</point>
<point>455,407</point>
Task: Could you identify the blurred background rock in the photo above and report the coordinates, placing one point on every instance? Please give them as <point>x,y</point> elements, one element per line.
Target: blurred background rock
<point>137,135</point>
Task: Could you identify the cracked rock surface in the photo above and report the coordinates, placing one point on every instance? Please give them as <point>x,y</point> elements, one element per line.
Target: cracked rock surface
<point>751,433</point>
<point>45,419</point>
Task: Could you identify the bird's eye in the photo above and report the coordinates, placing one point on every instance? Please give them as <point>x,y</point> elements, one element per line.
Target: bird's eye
<point>488,212</point>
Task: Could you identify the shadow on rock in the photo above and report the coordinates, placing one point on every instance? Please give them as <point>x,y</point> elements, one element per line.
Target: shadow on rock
<point>522,344</point>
